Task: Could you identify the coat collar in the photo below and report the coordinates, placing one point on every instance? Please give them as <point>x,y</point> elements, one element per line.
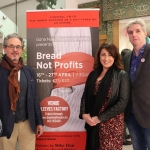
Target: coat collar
<point>7,72</point>
<point>140,67</point>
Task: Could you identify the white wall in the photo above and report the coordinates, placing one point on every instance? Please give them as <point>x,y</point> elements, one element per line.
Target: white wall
<point>31,5</point>
<point>71,4</point>
<point>21,13</point>
<point>7,26</point>
<point>123,39</point>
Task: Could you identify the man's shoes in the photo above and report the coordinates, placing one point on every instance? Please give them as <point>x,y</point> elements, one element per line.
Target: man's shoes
<point>125,142</point>
<point>128,136</point>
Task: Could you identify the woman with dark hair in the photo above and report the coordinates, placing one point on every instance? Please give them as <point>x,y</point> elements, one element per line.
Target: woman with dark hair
<point>104,100</point>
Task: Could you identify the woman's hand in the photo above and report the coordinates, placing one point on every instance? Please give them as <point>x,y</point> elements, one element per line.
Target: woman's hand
<point>88,119</point>
<point>95,119</point>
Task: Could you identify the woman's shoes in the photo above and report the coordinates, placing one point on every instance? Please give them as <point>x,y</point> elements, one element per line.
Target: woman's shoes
<point>125,142</point>
<point>128,136</point>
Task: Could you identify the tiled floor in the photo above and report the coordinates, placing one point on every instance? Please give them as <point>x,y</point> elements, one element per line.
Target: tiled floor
<point>127,147</point>
<point>124,148</point>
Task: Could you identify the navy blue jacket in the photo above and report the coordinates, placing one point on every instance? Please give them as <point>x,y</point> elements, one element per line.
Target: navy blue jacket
<point>7,116</point>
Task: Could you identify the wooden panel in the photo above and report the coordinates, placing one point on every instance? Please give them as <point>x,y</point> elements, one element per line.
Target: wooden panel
<point>116,33</point>
<point>102,39</point>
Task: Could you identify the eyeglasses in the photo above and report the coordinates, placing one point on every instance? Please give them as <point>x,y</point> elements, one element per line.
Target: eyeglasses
<point>12,47</point>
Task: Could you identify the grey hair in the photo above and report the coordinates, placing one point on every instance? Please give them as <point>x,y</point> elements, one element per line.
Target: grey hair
<point>139,21</point>
<point>13,35</point>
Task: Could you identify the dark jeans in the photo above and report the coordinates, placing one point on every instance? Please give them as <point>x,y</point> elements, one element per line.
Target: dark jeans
<point>140,136</point>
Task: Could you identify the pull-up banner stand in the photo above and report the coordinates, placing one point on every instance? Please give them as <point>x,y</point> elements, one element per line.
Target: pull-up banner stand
<point>61,45</point>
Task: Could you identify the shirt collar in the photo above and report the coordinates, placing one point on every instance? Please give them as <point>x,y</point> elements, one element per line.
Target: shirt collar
<point>140,51</point>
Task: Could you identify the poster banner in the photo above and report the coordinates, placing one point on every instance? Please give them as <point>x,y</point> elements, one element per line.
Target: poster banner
<point>61,45</point>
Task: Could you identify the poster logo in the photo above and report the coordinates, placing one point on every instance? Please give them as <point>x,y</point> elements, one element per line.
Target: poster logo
<point>55,111</point>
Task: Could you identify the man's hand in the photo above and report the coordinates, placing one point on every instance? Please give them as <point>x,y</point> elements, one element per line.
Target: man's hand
<point>39,130</point>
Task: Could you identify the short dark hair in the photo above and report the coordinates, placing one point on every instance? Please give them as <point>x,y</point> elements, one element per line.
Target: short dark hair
<point>124,52</point>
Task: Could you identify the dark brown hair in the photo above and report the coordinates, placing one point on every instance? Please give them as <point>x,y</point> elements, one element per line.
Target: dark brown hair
<point>124,52</point>
<point>112,49</point>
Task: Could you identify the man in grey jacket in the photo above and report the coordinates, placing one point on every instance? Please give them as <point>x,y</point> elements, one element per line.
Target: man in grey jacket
<point>137,64</point>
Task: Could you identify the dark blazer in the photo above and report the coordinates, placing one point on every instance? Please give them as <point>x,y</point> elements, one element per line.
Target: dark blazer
<point>140,89</point>
<point>118,99</point>
<point>7,116</point>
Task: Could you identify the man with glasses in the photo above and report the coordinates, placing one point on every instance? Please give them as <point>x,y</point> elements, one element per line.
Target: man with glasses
<point>20,112</point>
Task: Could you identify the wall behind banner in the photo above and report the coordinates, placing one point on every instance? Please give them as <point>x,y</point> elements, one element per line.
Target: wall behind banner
<point>6,26</point>
<point>114,13</point>
<point>123,9</point>
<point>16,12</point>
